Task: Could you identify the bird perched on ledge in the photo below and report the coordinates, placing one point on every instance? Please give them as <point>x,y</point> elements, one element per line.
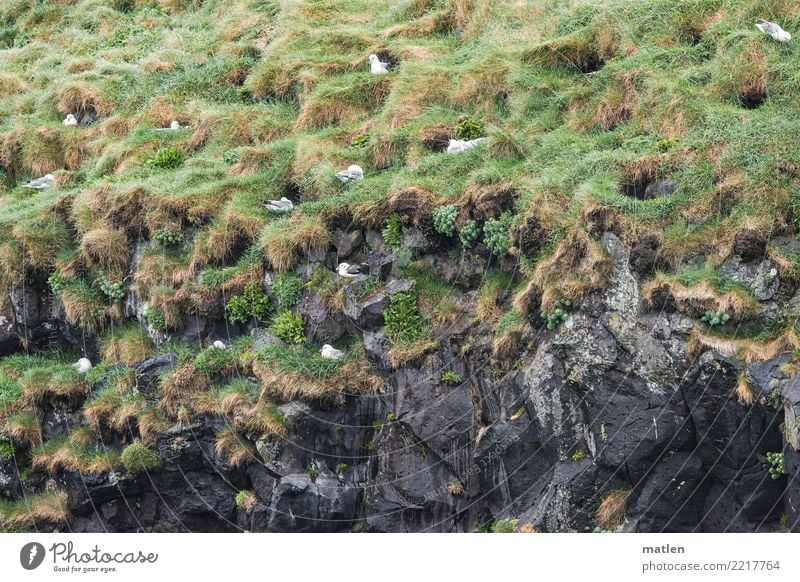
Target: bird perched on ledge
<point>83,365</point>
<point>282,205</point>
<point>377,67</point>
<point>331,353</point>
<point>219,345</point>
<point>70,121</point>
<point>348,271</point>
<point>46,181</point>
<point>351,174</point>
<point>456,146</point>
<point>773,30</point>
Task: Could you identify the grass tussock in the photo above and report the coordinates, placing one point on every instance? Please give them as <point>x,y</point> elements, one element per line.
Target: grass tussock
<point>610,514</point>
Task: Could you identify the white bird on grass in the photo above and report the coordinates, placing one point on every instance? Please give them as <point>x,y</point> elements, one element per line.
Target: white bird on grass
<point>218,345</point>
<point>83,365</point>
<point>46,181</point>
<point>348,271</point>
<point>70,121</point>
<point>282,205</point>
<point>774,30</point>
<point>173,126</point>
<point>377,67</point>
<point>456,146</point>
<point>351,174</point>
<point>331,353</point>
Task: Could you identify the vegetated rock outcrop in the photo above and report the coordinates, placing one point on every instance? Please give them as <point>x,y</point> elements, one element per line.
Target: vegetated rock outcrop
<point>608,401</point>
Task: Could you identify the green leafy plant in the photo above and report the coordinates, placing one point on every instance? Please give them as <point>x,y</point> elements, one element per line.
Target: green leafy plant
<point>404,323</point>
<point>138,458</point>
<point>469,233</point>
<point>168,238</point>
<point>287,288</point>
<point>289,327</point>
<point>57,281</point>
<point>313,473</point>
<point>114,292</point>
<point>558,315</point>
<point>495,234</point>
<point>777,465</point>
<point>451,377</point>
<point>444,219</point>
<point>391,417</point>
<point>167,159</point>
<point>361,141</point>
<point>504,526</point>
<point>469,128</point>
<point>6,448</point>
<point>579,455</point>
<point>713,318</point>
<point>253,302</point>
<point>156,318</point>
<point>244,499</point>
<point>393,232</point>
<point>340,468</point>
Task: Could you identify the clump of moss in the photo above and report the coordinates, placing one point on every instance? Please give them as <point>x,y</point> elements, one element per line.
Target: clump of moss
<point>138,458</point>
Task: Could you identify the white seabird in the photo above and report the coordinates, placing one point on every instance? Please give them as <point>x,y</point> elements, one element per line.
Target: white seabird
<point>175,124</point>
<point>377,67</point>
<point>70,121</point>
<point>83,365</point>
<point>282,205</point>
<point>46,181</point>
<point>348,271</point>
<point>774,30</point>
<point>456,146</point>
<point>218,345</point>
<point>351,174</point>
<point>331,353</point>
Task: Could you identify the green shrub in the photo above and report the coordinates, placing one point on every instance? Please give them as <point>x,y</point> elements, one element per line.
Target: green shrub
<point>214,361</point>
<point>713,318</point>
<point>137,458</point>
<point>6,448</point>
<point>156,318</point>
<point>313,473</point>
<point>251,303</point>
<point>469,233</point>
<point>114,292</point>
<point>559,314</point>
<point>469,129</point>
<point>496,235</point>
<point>504,526</point>
<point>451,377</point>
<point>444,219</point>
<point>287,289</point>
<point>404,323</point>
<point>243,497</point>
<point>167,158</point>
<point>361,141</point>
<point>393,232</point>
<point>341,468</point>
<point>10,391</point>
<point>579,455</point>
<point>509,321</point>
<point>289,327</point>
<point>57,282</point>
<point>168,238</point>
<point>777,465</point>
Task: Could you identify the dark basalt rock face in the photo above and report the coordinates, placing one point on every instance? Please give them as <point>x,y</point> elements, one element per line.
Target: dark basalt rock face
<point>608,401</point>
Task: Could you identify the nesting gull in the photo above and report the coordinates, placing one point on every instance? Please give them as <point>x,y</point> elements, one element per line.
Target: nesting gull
<point>456,146</point>
<point>773,30</point>
<point>331,353</point>
<point>70,121</point>
<point>173,126</point>
<point>83,365</point>
<point>377,67</point>
<point>348,271</point>
<point>219,345</point>
<point>282,205</point>
<point>46,181</point>
<point>351,174</point>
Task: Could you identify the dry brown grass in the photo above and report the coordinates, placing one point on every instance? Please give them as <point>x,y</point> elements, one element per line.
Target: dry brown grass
<point>128,349</point>
<point>577,266</point>
<point>44,509</point>
<point>236,450</point>
<point>744,392</point>
<point>105,247</point>
<point>300,236</point>
<point>612,509</point>
<point>746,350</point>
<point>484,202</point>
<point>617,105</point>
<point>180,386</point>
<point>352,379</point>
<point>79,310</point>
<point>663,293</point>
<point>25,430</point>
<point>410,354</point>
<point>80,99</point>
